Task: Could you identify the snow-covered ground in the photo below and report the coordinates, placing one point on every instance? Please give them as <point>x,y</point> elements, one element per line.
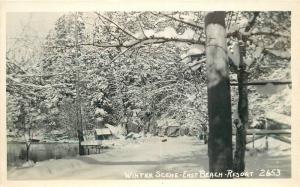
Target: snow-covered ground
<point>149,156</point>
<point>277,156</point>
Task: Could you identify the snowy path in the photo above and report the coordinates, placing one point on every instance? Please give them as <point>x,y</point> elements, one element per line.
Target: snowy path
<point>149,156</point>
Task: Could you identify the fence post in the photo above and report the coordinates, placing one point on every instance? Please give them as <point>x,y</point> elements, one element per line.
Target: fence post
<point>267,144</point>
<point>253,138</point>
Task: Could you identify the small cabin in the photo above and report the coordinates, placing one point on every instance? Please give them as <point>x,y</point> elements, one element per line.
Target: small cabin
<point>103,134</point>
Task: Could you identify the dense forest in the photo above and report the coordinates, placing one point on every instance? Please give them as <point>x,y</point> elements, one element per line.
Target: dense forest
<point>136,70</point>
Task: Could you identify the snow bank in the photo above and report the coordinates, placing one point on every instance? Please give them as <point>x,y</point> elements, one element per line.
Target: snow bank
<point>27,164</point>
<point>146,155</point>
<point>117,131</point>
<point>269,89</point>
<point>133,135</point>
<point>188,34</point>
<point>280,118</point>
<point>49,169</point>
<point>168,32</point>
<point>196,49</point>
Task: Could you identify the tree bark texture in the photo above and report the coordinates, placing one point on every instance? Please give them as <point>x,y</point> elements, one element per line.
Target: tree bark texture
<point>219,99</point>
<point>241,127</point>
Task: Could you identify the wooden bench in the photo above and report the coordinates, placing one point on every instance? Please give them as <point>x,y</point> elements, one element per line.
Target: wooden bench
<point>92,144</point>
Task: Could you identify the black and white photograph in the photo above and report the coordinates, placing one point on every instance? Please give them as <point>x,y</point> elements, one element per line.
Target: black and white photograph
<point>133,95</point>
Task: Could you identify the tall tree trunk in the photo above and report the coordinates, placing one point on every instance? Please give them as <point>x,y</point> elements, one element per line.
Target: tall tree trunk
<point>81,139</point>
<point>241,126</point>
<point>239,155</point>
<point>79,124</point>
<point>219,99</point>
<point>79,121</point>
<point>27,151</point>
<point>28,142</point>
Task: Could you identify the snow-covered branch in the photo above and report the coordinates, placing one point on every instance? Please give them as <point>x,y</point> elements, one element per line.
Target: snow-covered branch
<point>180,20</point>
<point>137,43</point>
<point>44,75</point>
<point>16,82</point>
<point>278,53</point>
<point>266,33</point>
<point>122,29</point>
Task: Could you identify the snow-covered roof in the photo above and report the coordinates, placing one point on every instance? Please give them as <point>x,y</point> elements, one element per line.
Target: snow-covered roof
<point>104,131</point>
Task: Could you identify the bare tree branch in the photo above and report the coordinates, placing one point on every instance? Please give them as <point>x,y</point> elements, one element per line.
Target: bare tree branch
<point>266,33</point>
<point>251,22</point>
<point>18,83</point>
<point>135,43</point>
<point>35,75</point>
<point>122,29</point>
<point>180,20</point>
<point>245,34</point>
<point>10,62</point>
<point>140,24</point>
